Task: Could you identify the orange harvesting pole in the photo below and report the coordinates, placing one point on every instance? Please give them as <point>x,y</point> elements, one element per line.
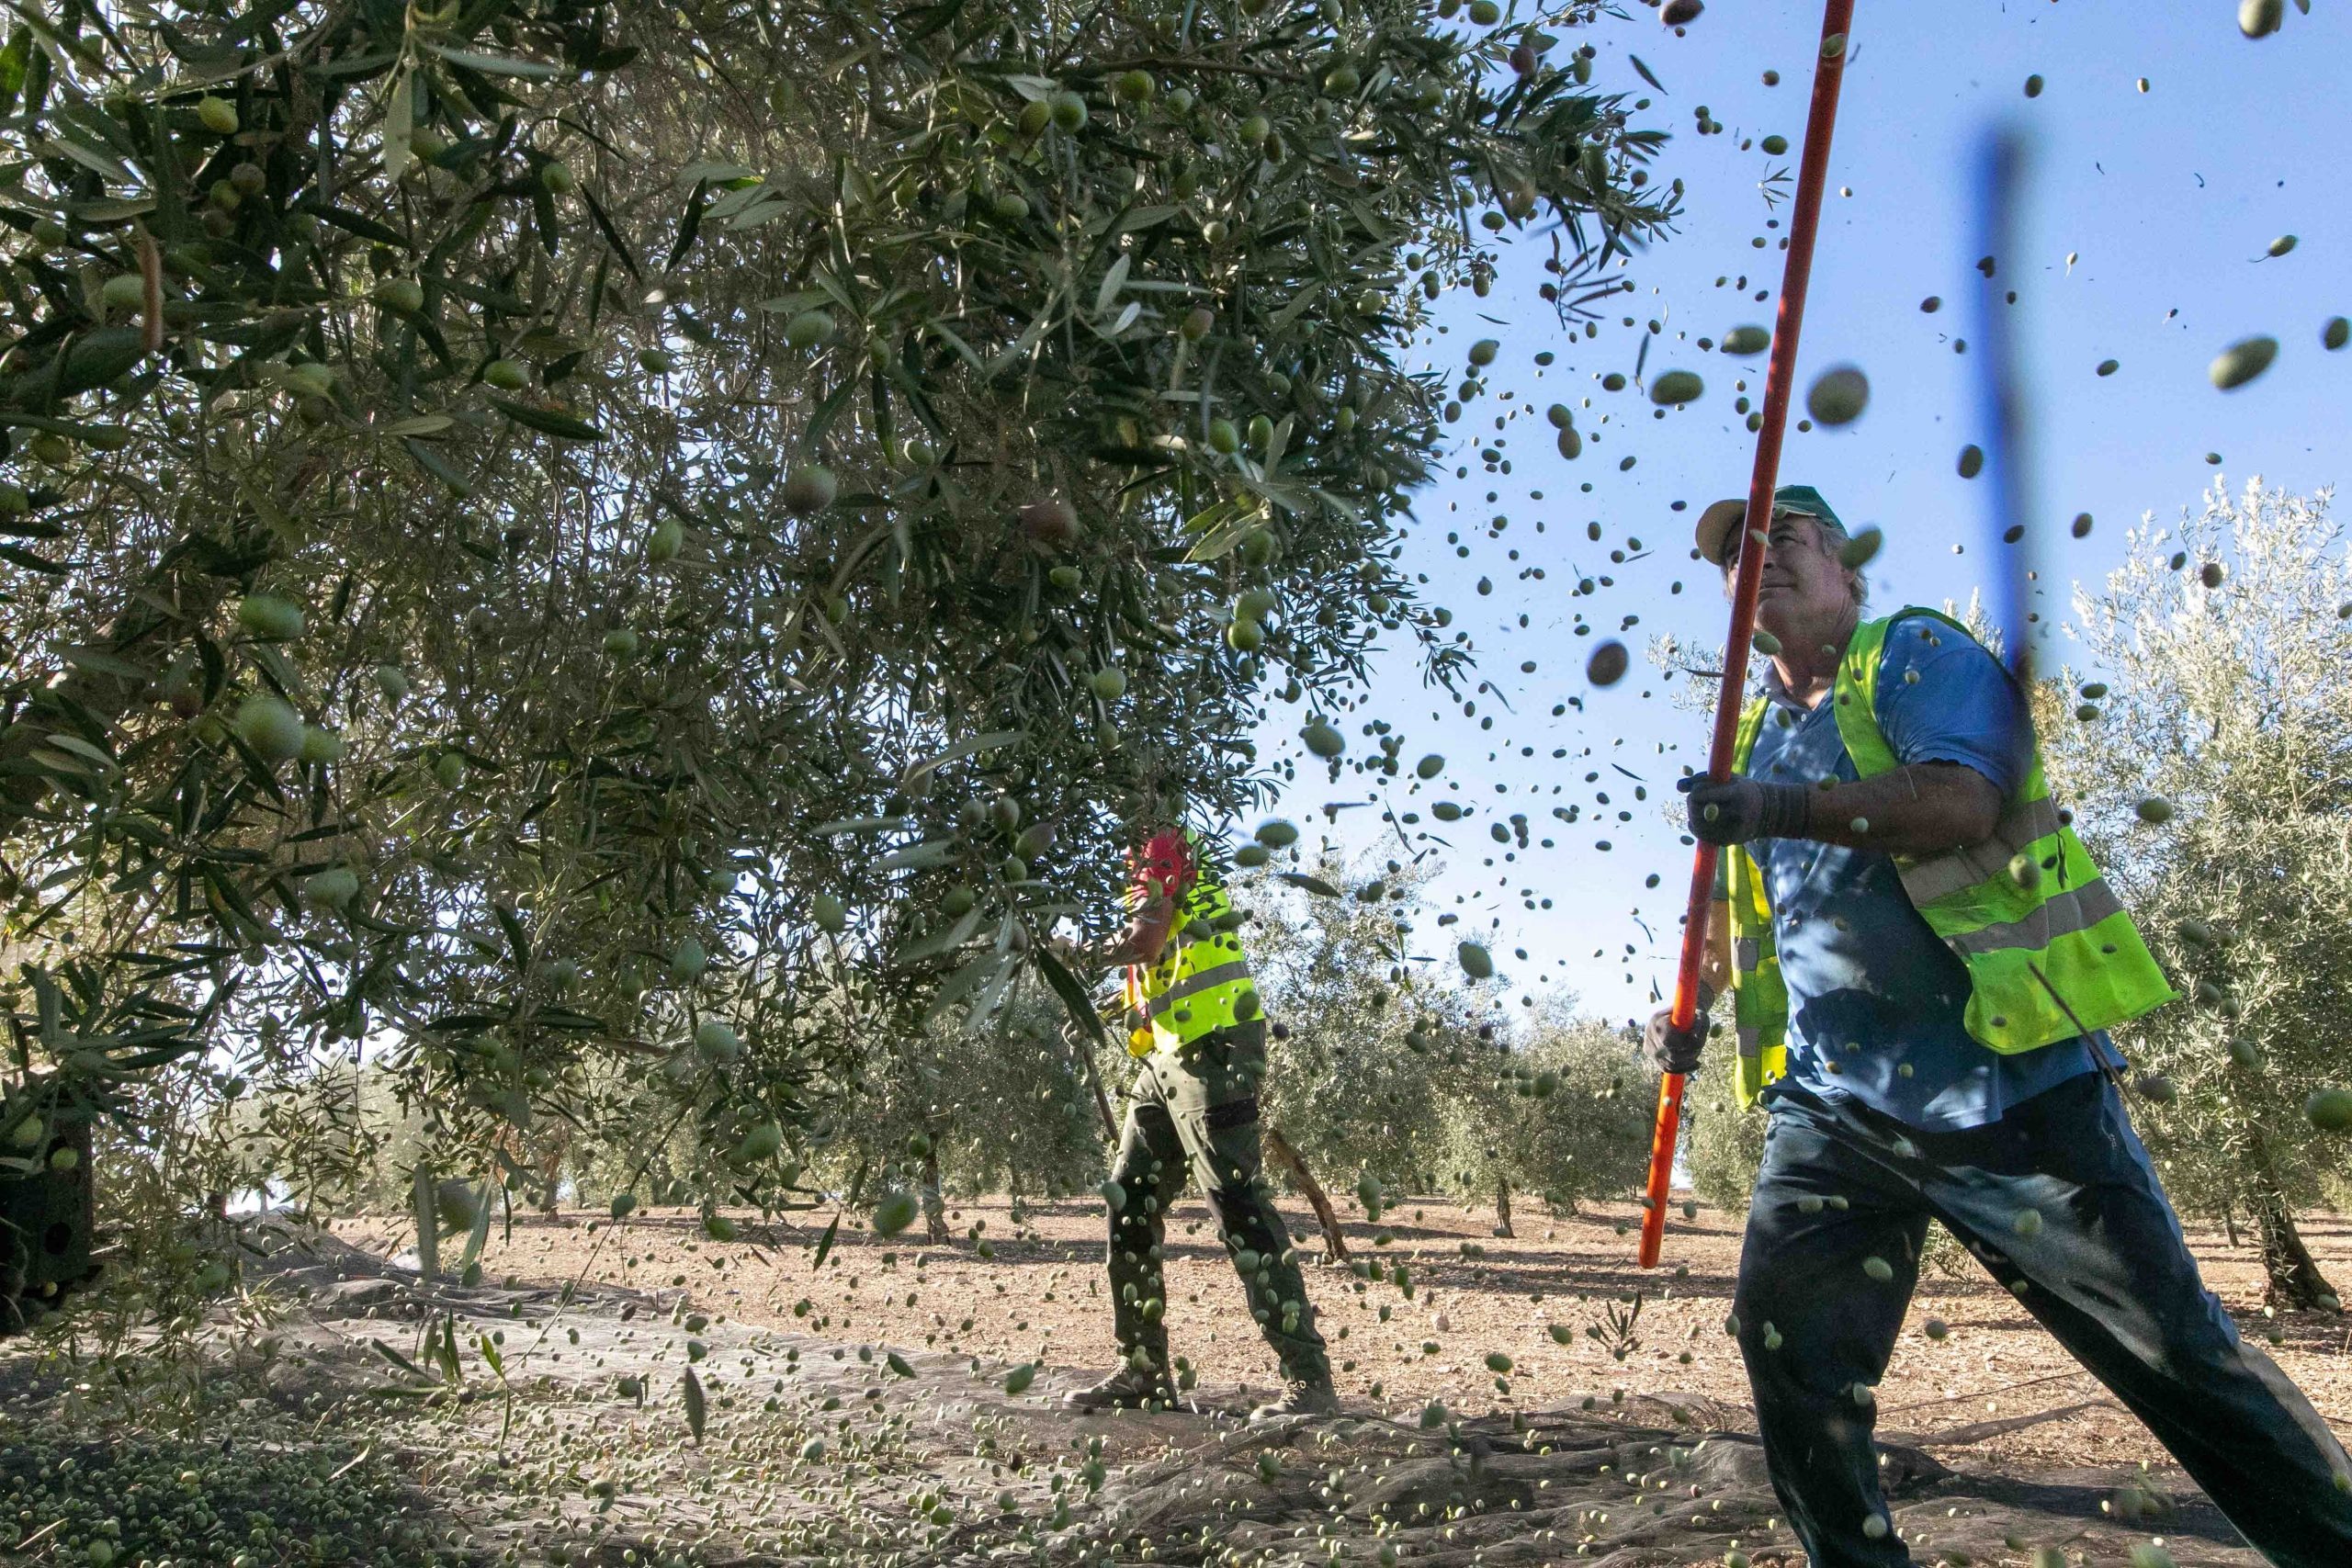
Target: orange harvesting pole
<point>1780,380</point>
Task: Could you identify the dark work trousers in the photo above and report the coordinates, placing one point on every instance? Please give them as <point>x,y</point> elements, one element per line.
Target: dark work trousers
<point>1195,1113</point>
<point>2104,1267</point>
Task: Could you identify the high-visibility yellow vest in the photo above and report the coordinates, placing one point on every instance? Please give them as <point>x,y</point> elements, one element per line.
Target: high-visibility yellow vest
<point>2049,950</point>
<point>1201,981</point>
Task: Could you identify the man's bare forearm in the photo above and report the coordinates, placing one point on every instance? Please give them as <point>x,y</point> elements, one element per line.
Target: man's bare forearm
<point>1925,808</point>
<point>1141,942</point>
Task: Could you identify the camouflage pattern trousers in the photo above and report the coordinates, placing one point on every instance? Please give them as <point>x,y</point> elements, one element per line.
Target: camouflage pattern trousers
<point>1194,1112</point>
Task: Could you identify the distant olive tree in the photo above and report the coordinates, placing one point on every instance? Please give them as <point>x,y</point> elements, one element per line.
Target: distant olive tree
<point>2207,744</point>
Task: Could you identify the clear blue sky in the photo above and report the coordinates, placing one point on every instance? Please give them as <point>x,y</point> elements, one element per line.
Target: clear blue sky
<point>2166,200</point>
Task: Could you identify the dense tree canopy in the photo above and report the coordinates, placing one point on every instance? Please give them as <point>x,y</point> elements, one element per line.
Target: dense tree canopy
<point>537,529</point>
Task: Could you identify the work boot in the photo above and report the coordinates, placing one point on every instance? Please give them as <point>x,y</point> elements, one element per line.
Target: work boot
<point>1301,1396</point>
<point>1129,1388</point>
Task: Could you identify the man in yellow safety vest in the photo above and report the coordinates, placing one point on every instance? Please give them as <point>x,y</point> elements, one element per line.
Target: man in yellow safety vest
<point>1195,1027</point>
<point>1924,963</point>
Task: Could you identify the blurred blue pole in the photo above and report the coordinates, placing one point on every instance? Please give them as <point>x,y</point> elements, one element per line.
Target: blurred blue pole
<point>2014,538</point>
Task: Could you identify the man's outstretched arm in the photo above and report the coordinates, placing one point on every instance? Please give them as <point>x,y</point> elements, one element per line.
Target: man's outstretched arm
<point>1142,942</point>
<point>1924,809</point>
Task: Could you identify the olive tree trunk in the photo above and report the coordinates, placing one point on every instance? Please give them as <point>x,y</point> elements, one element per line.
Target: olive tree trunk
<point>934,1207</point>
<point>1502,1207</point>
<point>1335,1241</point>
<point>2294,1280</point>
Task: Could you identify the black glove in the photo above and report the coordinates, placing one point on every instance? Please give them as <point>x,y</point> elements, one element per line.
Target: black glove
<point>1739,810</point>
<point>1672,1050</point>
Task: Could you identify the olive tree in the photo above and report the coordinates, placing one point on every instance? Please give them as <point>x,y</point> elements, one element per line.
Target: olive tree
<point>2208,748</point>
<point>549,538</point>
<point>1560,1109</point>
<point>1364,1031</point>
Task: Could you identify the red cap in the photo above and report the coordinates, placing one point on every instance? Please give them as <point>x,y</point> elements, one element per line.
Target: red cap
<point>1164,865</point>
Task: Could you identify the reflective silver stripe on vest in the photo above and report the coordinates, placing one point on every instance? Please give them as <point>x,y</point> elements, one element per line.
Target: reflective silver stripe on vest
<point>1929,880</point>
<point>1748,953</point>
<point>1192,984</point>
<point>2062,914</point>
<point>1751,1041</point>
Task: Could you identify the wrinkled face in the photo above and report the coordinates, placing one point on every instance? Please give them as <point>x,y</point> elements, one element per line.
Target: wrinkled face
<point>1804,582</point>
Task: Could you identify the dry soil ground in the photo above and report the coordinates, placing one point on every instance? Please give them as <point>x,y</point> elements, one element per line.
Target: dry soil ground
<point>1998,1444</point>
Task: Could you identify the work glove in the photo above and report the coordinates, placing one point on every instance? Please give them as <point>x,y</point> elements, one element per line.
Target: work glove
<point>1740,809</point>
<point>1672,1050</point>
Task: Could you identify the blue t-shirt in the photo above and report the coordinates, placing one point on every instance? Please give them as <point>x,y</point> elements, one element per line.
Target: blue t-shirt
<point>1871,988</point>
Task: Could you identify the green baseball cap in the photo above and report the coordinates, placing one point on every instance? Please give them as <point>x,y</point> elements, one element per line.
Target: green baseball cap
<point>1715,525</point>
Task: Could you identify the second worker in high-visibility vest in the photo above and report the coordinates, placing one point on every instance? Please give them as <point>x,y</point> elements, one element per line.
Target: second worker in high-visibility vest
<point>1199,1036</point>
<point>1924,964</point>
